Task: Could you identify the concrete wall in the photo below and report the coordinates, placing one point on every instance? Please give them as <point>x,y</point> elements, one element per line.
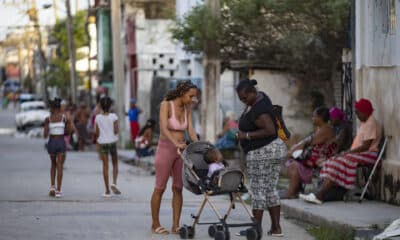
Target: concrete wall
<point>377,77</point>
<point>283,90</point>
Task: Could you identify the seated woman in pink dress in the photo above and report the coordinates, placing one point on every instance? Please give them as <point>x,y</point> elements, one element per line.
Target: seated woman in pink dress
<point>322,146</point>
<point>340,170</point>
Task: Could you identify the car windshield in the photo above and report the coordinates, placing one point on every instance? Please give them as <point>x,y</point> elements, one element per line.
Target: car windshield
<point>30,108</point>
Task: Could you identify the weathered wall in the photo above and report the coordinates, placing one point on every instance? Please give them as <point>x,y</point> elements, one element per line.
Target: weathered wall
<point>377,77</point>
<point>382,85</point>
<point>283,90</point>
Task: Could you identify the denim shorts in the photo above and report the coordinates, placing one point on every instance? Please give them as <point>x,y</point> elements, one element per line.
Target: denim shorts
<point>56,146</point>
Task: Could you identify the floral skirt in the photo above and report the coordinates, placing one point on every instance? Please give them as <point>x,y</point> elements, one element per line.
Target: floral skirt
<point>263,168</point>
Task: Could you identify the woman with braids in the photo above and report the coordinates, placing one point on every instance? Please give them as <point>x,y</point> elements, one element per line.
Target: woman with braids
<point>55,127</point>
<point>175,119</point>
<point>106,125</point>
<point>264,153</point>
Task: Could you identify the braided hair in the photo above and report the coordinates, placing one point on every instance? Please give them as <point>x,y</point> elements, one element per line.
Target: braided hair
<point>55,103</point>
<point>247,84</point>
<point>105,103</point>
<point>182,88</point>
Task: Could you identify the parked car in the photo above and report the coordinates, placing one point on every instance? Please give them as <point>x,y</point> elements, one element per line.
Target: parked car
<point>32,114</point>
<point>27,97</point>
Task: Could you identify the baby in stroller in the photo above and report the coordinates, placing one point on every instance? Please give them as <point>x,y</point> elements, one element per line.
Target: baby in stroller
<point>205,172</point>
<point>215,161</point>
<point>213,157</point>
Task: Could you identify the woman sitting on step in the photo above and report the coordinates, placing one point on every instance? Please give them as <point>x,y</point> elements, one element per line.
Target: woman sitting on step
<point>320,146</point>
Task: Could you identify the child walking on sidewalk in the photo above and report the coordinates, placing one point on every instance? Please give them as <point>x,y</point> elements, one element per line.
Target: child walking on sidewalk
<point>107,136</point>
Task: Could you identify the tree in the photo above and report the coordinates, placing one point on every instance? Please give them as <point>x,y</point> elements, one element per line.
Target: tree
<point>58,74</point>
<point>304,38</point>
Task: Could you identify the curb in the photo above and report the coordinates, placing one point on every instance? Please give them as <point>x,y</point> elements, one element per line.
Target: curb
<point>303,215</point>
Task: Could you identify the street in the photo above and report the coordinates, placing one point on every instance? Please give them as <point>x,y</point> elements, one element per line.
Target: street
<point>27,212</point>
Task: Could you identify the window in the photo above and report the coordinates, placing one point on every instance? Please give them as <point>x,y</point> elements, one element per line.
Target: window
<point>189,72</point>
<point>171,61</point>
<point>171,73</point>
<point>154,60</point>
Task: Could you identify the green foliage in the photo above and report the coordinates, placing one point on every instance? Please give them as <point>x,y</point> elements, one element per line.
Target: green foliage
<point>304,37</point>
<point>59,72</point>
<point>326,233</point>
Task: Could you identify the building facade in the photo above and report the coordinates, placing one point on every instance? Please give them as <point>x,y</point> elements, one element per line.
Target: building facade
<point>377,77</point>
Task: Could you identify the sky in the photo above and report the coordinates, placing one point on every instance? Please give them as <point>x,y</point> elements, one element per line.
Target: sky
<point>16,15</point>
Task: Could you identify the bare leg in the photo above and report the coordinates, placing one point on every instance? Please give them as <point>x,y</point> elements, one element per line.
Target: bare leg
<point>326,186</point>
<point>176,207</point>
<point>294,181</point>
<point>105,172</point>
<point>258,215</point>
<point>155,207</point>
<point>114,159</point>
<point>53,169</point>
<point>275,214</point>
<point>60,163</point>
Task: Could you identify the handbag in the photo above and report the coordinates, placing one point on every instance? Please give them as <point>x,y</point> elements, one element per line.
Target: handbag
<point>304,153</point>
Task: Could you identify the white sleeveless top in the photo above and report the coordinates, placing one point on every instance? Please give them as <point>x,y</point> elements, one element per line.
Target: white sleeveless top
<point>57,128</point>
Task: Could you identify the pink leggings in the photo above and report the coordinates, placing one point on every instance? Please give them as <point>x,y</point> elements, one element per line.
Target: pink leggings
<point>168,163</point>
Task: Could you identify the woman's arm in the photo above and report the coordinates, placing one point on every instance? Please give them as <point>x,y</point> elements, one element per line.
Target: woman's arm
<point>46,127</point>
<point>97,133</point>
<point>363,148</point>
<point>116,128</point>
<point>192,132</point>
<point>265,125</point>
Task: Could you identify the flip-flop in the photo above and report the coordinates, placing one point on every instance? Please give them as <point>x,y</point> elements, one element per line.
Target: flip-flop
<point>115,189</point>
<point>275,234</point>
<point>160,230</point>
<point>176,231</point>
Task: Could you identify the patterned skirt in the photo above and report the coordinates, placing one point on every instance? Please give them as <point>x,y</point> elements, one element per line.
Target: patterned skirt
<point>263,168</point>
<point>341,169</point>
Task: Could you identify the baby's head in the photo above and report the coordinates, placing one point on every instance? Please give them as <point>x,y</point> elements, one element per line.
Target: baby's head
<point>212,155</point>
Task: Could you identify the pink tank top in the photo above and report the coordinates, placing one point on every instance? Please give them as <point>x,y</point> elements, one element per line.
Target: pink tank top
<point>173,122</point>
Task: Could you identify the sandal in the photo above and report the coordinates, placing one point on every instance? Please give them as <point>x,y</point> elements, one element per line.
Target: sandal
<point>274,234</point>
<point>176,231</point>
<point>115,189</point>
<point>52,191</point>
<point>160,230</point>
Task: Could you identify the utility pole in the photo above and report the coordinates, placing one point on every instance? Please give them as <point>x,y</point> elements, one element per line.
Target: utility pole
<point>55,10</point>
<point>211,84</point>
<point>71,50</point>
<point>33,15</point>
<point>118,65</point>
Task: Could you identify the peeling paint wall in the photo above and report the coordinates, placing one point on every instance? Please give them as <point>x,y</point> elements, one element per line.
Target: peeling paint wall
<point>377,77</point>
<point>283,90</point>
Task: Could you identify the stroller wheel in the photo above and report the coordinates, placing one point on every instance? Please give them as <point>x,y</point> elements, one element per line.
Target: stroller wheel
<point>219,235</point>
<point>252,234</point>
<point>191,232</point>
<point>212,229</point>
<point>183,232</point>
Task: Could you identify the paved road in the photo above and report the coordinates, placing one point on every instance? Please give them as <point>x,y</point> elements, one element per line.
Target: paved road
<point>28,213</point>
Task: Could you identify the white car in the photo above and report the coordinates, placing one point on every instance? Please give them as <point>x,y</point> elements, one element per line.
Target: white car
<point>32,114</point>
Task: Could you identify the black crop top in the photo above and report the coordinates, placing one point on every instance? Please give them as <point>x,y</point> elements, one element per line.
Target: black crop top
<point>247,124</point>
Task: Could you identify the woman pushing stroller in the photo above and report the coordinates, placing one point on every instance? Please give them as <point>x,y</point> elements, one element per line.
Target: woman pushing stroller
<point>175,119</point>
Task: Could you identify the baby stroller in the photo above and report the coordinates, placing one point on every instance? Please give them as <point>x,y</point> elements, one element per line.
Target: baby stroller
<point>230,182</point>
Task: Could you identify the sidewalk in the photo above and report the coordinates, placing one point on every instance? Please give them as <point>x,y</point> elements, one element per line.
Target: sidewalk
<point>365,219</point>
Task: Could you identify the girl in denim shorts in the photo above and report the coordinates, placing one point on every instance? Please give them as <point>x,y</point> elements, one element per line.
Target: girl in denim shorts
<point>107,136</point>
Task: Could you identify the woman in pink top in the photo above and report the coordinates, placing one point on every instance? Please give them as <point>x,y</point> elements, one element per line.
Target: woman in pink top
<point>175,119</point>
<point>340,170</point>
